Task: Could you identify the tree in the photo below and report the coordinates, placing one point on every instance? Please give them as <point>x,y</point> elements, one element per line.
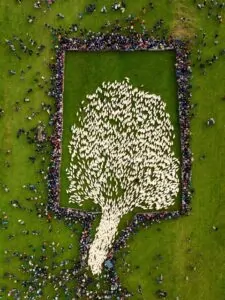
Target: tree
<point>121,158</point>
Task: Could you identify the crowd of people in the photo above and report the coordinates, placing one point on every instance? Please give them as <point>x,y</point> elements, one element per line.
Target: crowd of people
<point>116,42</point>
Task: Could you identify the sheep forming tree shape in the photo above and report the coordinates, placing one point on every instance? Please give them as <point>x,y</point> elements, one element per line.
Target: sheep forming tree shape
<point>121,158</point>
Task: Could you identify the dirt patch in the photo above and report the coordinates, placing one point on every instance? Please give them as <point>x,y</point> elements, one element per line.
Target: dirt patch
<point>184,22</point>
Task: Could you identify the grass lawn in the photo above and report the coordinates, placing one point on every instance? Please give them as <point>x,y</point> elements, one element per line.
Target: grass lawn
<point>193,261</point>
<point>84,72</point>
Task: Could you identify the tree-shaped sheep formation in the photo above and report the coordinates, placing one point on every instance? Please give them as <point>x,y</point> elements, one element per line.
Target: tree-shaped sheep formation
<point>121,158</point>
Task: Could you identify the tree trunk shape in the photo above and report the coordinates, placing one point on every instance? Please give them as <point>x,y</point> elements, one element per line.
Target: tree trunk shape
<point>104,239</point>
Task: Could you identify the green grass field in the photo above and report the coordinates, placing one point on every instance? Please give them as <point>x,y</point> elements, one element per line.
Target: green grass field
<point>193,262</point>
<point>84,72</point>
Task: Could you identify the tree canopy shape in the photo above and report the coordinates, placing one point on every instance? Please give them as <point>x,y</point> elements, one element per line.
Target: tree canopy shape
<point>121,158</point>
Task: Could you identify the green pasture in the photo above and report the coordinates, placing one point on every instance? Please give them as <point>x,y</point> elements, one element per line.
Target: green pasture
<point>84,72</point>
<point>187,252</point>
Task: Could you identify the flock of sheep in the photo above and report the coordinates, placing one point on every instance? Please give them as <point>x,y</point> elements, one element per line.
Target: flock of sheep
<point>121,158</point>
